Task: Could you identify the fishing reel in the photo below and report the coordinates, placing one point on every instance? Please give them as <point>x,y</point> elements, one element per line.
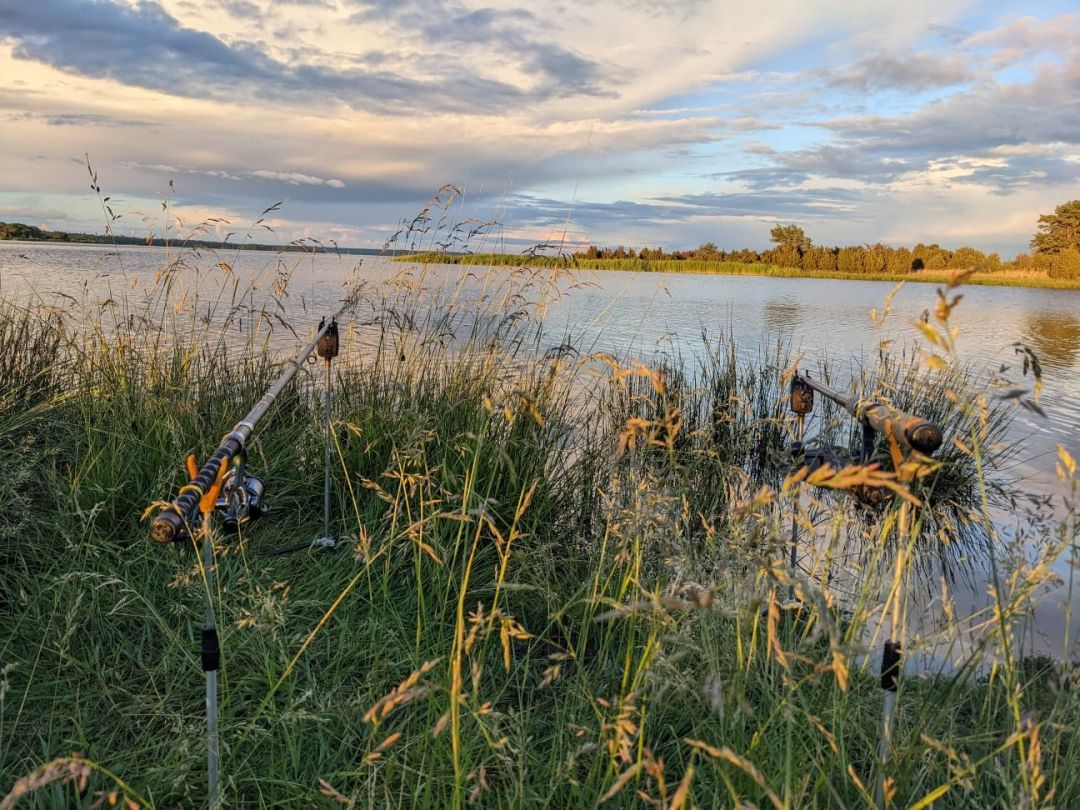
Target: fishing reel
<point>242,499</point>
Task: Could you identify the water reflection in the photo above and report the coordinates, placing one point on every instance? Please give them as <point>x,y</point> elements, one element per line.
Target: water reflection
<point>781,314</point>
<point>1055,337</point>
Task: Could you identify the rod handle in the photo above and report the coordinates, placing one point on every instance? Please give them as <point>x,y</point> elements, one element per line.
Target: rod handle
<point>908,430</point>
<point>169,523</point>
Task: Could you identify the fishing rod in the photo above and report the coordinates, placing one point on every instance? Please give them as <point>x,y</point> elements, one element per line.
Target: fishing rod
<point>238,497</point>
<point>910,432</point>
<point>173,522</point>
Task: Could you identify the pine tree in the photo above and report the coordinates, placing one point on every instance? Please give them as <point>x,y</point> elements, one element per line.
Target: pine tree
<point>1059,230</point>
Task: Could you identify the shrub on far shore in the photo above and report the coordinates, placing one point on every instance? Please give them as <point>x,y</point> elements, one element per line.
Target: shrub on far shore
<point>1066,264</point>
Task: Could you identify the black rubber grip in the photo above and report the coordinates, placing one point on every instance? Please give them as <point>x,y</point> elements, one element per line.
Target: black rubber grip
<point>211,650</point>
<point>890,666</point>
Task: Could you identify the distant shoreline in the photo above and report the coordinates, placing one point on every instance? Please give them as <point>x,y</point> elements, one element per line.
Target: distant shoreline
<point>33,235</point>
<point>202,245</point>
<point>1001,278</point>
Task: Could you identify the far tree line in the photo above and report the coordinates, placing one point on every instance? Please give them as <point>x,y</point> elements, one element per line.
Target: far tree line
<point>32,233</point>
<point>1055,250</point>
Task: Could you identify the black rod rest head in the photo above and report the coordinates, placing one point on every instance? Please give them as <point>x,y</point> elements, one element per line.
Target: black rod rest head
<point>327,347</point>
<point>802,396</point>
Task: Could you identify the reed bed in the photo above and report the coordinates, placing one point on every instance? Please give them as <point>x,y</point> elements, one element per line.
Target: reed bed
<point>566,582</point>
<point>997,278</point>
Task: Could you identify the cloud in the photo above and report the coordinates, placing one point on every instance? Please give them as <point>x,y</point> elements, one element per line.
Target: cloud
<point>296,178</point>
<point>973,126</point>
<point>797,204</point>
<point>781,203</point>
<point>146,47</point>
<point>823,160</point>
<point>999,133</point>
<point>289,178</point>
<point>1027,36</point>
<point>30,213</point>
<point>511,31</point>
<point>913,72</point>
<point>143,45</point>
<point>242,9</point>
<point>990,115</point>
<point>75,120</point>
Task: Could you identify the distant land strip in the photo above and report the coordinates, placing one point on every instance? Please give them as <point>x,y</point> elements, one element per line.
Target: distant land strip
<point>17,231</point>
<point>989,278</point>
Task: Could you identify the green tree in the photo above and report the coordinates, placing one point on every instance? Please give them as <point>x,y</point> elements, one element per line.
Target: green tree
<point>790,237</point>
<point>898,261</point>
<point>875,258</point>
<point>1058,231</point>
<point>989,264</point>
<point>784,256</point>
<point>851,259</point>
<point>17,230</point>
<point>707,251</point>
<point>966,257</point>
<point>1066,264</point>
<point>930,257</point>
<point>820,259</point>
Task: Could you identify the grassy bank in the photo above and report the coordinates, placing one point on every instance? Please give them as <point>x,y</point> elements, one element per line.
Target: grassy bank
<point>1003,278</point>
<point>566,578</point>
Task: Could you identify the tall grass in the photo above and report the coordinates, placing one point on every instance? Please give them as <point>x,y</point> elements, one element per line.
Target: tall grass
<point>566,581</point>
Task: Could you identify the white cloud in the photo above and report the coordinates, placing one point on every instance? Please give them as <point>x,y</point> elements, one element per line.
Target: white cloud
<point>296,178</point>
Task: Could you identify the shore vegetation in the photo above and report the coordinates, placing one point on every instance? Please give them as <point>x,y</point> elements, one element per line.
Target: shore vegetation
<point>1013,277</point>
<point>1053,264</point>
<point>566,578</point>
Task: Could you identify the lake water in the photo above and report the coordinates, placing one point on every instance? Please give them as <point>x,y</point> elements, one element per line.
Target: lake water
<point>643,314</point>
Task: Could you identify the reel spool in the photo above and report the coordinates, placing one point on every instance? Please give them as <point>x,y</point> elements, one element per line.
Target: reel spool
<point>239,504</point>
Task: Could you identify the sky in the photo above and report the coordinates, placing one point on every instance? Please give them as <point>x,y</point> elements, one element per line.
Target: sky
<point>639,122</point>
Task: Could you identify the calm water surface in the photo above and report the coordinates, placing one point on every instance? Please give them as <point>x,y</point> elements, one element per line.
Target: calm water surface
<point>643,314</point>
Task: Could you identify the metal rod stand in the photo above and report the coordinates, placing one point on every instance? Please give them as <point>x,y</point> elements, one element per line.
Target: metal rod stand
<point>211,663</point>
<point>890,671</point>
<point>794,549</point>
<point>800,432</point>
<point>326,461</point>
<point>327,349</point>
